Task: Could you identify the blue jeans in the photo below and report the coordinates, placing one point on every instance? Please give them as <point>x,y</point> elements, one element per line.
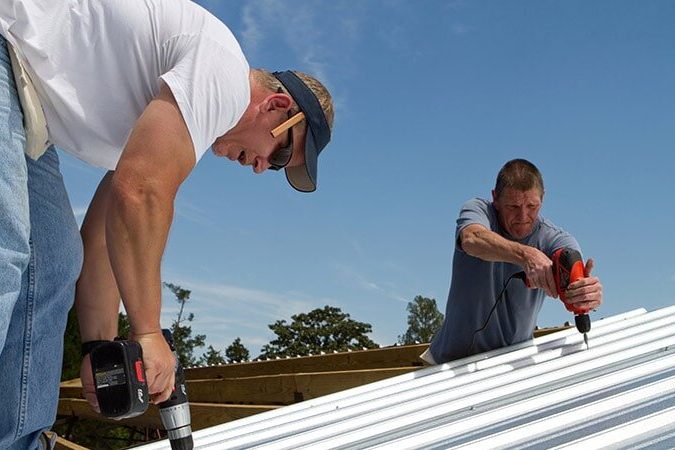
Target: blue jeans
<point>40,260</point>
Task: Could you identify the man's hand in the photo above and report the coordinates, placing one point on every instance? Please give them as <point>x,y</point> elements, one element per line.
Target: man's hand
<point>539,271</point>
<point>160,365</point>
<point>88,387</point>
<point>479,242</point>
<point>586,293</point>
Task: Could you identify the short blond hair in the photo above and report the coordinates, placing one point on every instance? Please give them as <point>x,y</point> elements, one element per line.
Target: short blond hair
<point>269,82</point>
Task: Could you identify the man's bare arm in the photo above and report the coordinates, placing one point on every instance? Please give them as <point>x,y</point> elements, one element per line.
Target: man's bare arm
<point>478,241</point>
<point>156,160</point>
<point>97,297</point>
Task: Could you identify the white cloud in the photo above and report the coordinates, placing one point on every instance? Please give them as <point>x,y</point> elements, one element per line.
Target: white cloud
<point>252,34</point>
<point>224,311</point>
<point>360,281</point>
<point>190,212</point>
<point>460,29</point>
<point>298,28</point>
<point>79,212</point>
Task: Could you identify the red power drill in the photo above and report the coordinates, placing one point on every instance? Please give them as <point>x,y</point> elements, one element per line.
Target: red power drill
<point>568,267</point>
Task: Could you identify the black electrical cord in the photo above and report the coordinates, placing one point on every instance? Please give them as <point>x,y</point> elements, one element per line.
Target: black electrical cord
<point>520,275</point>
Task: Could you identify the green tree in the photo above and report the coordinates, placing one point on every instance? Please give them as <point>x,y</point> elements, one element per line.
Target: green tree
<point>424,320</point>
<point>211,357</point>
<point>123,326</point>
<point>72,342</point>
<point>72,355</point>
<point>182,332</point>
<point>236,351</point>
<point>323,329</point>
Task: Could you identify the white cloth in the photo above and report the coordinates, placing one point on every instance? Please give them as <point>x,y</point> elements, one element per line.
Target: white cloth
<point>35,124</point>
<point>96,65</point>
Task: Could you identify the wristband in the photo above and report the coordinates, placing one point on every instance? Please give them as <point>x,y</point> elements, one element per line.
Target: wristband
<point>88,346</point>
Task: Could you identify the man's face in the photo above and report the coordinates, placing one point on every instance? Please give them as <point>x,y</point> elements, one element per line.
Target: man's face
<point>518,210</point>
<point>256,147</point>
<point>252,144</point>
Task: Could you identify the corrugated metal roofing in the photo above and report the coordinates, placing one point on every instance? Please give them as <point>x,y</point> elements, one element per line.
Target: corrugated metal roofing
<point>547,393</point>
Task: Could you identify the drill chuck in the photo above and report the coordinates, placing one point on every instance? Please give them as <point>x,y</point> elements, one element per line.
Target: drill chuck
<point>176,421</point>
<point>583,323</point>
<point>175,412</point>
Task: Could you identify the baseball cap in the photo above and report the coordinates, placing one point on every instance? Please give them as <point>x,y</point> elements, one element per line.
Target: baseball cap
<point>303,177</point>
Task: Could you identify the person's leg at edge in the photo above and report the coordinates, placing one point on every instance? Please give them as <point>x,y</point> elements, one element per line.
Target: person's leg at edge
<point>47,294</point>
<point>32,338</point>
<point>14,238</point>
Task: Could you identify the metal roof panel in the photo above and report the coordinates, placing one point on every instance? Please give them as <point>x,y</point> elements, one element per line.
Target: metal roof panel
<point>550,392</point>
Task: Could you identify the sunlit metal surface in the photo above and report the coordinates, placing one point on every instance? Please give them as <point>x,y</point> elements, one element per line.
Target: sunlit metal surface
<point>547,393</point>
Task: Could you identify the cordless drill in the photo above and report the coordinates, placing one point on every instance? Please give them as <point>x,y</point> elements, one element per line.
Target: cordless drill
<point>122,389</point>
<point>568,267</point>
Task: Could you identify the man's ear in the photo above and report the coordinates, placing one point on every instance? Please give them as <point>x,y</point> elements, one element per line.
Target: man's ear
<point>277,101</point>
<point>494,196</point>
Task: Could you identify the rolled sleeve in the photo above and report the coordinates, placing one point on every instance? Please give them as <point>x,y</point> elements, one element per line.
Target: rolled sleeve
<point>474,211</point>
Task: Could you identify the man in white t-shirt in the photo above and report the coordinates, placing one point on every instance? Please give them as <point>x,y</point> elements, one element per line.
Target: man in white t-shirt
<point>142,88</point>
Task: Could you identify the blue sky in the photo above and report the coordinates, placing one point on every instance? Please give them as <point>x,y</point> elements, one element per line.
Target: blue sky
<point>431,99</point>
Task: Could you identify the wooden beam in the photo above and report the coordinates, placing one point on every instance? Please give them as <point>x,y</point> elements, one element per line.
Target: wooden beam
<point>388,357</point>
<point>202,414</point>
<point>402,356</point>
<point>64,444</point>
<point>273,389</point>
<point>544,331</point>
<point>285,389</point>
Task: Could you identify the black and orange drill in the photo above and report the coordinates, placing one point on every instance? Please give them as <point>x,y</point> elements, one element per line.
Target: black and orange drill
<point>568,267</point>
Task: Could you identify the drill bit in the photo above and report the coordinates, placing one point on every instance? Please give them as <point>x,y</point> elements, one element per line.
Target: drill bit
<point>583,323</point>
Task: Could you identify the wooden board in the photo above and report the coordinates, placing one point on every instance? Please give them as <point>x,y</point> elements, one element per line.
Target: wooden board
<point>285,389</point>
<point>203,415</point>
<point>272,389</point>
<point>64,444</point>
<point>402,356</point>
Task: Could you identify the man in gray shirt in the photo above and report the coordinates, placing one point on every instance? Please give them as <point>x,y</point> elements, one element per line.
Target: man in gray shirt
<point>494,241</point>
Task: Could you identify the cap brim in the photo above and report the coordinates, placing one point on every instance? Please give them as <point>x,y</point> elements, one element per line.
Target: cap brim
<point>317,136</point>
<point>303,177</point>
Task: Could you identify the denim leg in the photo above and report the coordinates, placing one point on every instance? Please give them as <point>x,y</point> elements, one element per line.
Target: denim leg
<point>40,247</point>
<point>47,294</point>
<point>14,233</point>
<point>14,220</point>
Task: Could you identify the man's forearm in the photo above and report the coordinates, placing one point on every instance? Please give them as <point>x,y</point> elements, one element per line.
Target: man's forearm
<point>97,299</point>
<point>487,245</point>
<point>137,226</point>
<point>482,243</point>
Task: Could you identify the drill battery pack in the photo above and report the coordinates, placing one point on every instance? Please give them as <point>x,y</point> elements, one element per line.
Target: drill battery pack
<point>119,377</point>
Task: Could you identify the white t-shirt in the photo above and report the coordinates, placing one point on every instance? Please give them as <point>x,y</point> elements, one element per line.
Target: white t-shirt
<point>96,65</point>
